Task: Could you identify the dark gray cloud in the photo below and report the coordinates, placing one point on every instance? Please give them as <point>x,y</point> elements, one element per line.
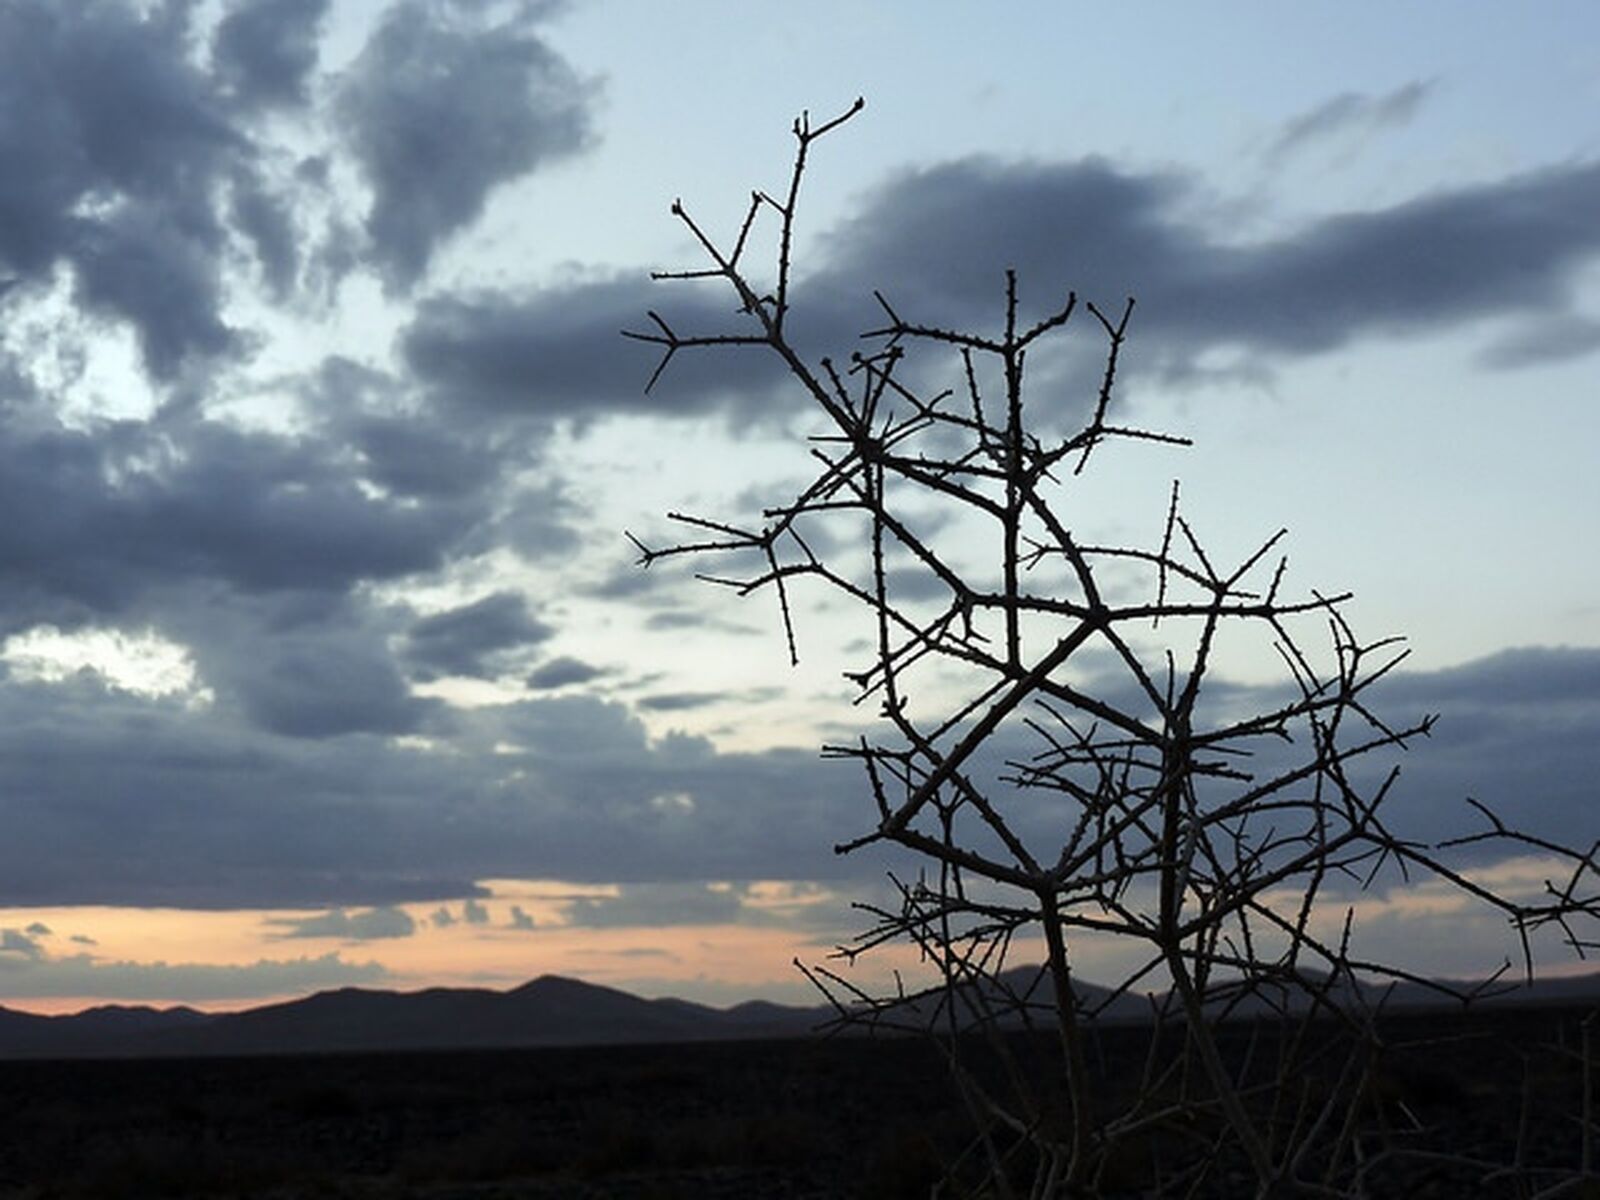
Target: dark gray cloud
<point>439,110</point>
<point>149,266</point>
<point>111,148</point>
<point>627,580</point>
<point>109,798</point>
<point>663,905</point>
<point>1510,679</point>
<point>129,789</point>
<point>474,913</point>
<point>913,583</point>
<point>326,682</point>
<point>1543,340</point>
<point>539,522</point>
<point>683,618</point>
<point>264,51</point>
<point>86,975</point>
<point>537,356</point>
<point>267,224</point>
<point>404,448</point>
<point>17,945</point>
<point>679,701</point>
<point>558,354</point>
<point>466,640</point>
<point>563,671</point>
<point>1348,113</point>
<point>138,164</point>
<point>109,518</point>
<point>1518,730</point>
<point>374,924</point>
<point>415,457</point>
<point>656,906</point>
<point>520,919</point>
<point>470,481</point>
<point>1510,247</point>
<point>1506,248</point>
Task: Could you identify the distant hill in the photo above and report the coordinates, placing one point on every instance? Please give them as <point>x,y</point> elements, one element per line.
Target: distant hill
<point>94,1031</point>
<point>550,1011</point>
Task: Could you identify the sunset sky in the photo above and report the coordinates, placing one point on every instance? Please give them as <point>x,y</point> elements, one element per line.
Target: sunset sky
<point>324,659</point>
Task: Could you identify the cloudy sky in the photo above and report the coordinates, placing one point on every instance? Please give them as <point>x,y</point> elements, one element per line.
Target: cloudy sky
<point>323,657</point>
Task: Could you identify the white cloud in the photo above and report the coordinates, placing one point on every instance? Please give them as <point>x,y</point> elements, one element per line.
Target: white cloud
<point>141,661</point>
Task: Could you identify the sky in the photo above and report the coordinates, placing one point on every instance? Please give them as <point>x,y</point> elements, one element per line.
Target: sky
<point>324,657</point>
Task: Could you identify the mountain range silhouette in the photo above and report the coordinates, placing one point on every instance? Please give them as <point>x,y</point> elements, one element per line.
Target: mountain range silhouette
<point>548,1011</point>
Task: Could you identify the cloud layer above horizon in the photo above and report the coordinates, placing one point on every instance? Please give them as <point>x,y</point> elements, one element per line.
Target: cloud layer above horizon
<point>322,550</point>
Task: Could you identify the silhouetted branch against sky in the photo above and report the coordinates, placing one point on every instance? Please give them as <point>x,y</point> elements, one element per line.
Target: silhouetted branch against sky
<point>317,436</point>
<point>1147,811</point>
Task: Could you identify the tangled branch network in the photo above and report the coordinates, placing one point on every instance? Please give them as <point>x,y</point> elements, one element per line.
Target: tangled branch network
<point>1051,754</point>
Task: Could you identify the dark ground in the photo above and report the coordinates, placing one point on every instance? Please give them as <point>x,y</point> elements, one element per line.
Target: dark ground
<point>825,1118</point>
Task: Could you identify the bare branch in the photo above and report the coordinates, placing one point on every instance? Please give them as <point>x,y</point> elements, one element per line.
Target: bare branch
<point>1227,848</point>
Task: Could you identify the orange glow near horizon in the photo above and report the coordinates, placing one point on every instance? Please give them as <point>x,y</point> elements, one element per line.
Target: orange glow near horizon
<point>524,928</point>
<point>455,943</point>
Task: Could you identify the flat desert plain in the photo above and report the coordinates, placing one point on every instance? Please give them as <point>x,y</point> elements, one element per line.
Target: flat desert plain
<point>849,1117</point>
